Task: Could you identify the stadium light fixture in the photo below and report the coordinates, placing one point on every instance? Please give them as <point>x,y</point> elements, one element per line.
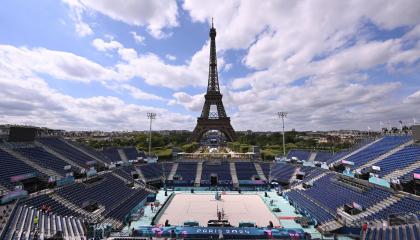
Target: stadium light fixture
<point>282,115</point>
<point>150,116</point>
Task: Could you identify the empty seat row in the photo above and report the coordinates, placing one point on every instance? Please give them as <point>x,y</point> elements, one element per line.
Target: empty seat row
<point>282,172</point>
<point>112,154</point>
<point>221,170</point>
<point>245,170</point>
<point>375,150</point>
<point>12,166</point>
<point>299,154</point>
<point>151,170</point>
<point>187,171</point>
<point>44,158</point>
<point>401,159</point>
<point>68,151</point>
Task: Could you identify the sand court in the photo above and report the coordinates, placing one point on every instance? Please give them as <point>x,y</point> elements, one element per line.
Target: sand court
<point>203,207</point>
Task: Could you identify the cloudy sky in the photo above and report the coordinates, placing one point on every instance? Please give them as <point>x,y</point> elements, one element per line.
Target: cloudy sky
<point>103,64</point>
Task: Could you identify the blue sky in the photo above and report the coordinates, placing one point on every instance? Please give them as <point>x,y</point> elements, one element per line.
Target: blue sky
<point>102,65</point>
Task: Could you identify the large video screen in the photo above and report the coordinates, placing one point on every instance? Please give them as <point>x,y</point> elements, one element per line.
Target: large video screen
<point>22,134</point>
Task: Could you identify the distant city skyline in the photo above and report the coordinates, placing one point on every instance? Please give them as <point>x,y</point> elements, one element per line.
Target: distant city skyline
<point>102,65</point>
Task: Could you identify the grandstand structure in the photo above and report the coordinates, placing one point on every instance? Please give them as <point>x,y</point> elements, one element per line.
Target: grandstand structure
<point>53,185</point>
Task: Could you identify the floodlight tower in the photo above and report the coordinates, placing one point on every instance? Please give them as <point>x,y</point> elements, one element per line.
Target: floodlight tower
<point>282,115</point>
<point>151,116</point>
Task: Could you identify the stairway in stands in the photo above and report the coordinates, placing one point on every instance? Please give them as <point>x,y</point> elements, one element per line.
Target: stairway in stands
<point>6,212</point>
<point>120,177</point>
<point>385,155</point>
<point>3,189</point>
<point>122,155</point>
<point>72,206</point>
<point>141,175</point>
<point>46,171</point>
<point>116,224</point>
<point>173,171</point>
<point>358,150</point>
<point>58,155</point>
<point>198,174</point>
<point>260,171</point>
<point>398,232</point>
<point>293,177</point>
<point>81,149</point>
<point>234,175</point>
<point>329,226</point>
<point>312,157</point>
<point>314,179</point>
<point>136,185</point>
<point>370,210</point>
<point>22,225</point>
<point>403,171</point>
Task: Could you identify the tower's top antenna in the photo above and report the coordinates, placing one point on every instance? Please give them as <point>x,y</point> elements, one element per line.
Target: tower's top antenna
<point>212,25</point>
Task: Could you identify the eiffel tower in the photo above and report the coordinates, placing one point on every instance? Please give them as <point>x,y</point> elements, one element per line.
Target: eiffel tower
<point>216,120</point>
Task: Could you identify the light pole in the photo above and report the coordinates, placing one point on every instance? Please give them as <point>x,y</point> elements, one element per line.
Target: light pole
<point>150,116</point>
<point>282,115</point>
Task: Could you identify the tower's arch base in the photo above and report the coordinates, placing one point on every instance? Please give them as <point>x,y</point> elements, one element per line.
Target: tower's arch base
<point>204,125</point>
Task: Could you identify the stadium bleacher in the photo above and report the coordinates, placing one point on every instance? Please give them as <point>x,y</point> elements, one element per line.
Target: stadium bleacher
<point>151,170</point>
<point>112,154</point>
<point>375,150</point>
<point>308,207</point>
<point>299,154</point>
<point>124,208</point>
<point>107,192</point>
<point>282,172</point>
<point>265,166</point>
<point>166,169</point>
<point>322,156</point>
<point>44,158</point>
<point>67,150</point>
<point>131,153</point>
<point>222,170</point>
<point>12,166</point>
<point>113,194</point>
<point>328,192</point>
<point>89,150</point>
<point>245,170</point>
<point>337,156</point>
<point>400,159</point>
<point>187,170</point>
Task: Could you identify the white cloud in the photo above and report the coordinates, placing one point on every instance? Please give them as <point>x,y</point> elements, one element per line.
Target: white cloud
<point>191,103</point>
<point>103,46</point>
<point>156,15</point>
<point>170,57</point>
<point>227,67</point>
<point>68,66</point>
<point>27,99</point>
<point>82,28</point>
<point>155,71</point>
<point>139,94</point>
<point>137,38</point>
<point>413,98</point>
<point>61,65</point>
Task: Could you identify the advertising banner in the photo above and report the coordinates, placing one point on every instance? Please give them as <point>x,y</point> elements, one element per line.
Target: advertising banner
<point>220,232</point>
